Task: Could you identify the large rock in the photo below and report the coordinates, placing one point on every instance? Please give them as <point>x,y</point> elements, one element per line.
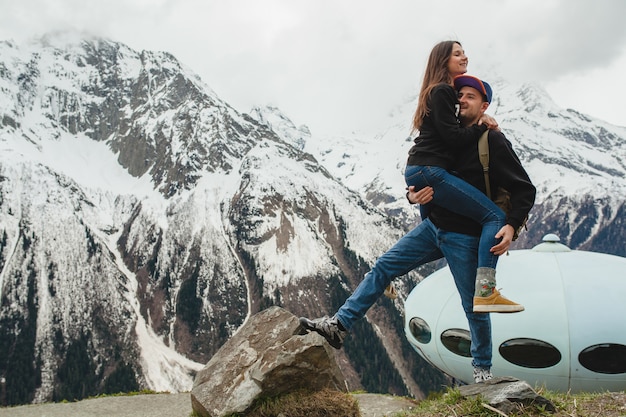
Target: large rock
<point>268,356</point>
<point>504,393</point>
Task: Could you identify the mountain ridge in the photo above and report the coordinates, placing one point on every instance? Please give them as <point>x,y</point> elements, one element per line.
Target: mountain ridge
<point>168,245</point>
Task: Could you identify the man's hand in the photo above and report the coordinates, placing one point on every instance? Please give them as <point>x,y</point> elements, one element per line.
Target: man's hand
<point>506,233</point>
<point>423,196</point>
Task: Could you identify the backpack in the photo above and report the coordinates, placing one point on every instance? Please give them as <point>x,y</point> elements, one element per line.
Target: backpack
<point>503,196</point>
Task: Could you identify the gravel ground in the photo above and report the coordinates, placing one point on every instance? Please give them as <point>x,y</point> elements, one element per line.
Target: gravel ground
<point>149,405</point>
<point>173,405</point>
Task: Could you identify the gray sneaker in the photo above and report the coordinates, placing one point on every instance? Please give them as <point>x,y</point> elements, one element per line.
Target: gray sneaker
<point>482,374</point>
<point>330,328</point>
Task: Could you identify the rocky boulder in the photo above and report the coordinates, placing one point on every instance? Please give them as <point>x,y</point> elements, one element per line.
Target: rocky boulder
<point>267,357</point>
<point>506,393</point>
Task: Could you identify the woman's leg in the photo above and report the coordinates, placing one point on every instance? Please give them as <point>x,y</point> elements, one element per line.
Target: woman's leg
<point>460,197</point>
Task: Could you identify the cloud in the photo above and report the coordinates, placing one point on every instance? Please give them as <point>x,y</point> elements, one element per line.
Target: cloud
<point>556,38</point>
<point>344,65</point>
<point>582,35</point>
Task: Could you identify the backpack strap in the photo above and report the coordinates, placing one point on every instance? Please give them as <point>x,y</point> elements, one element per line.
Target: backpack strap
<point>483,155</point>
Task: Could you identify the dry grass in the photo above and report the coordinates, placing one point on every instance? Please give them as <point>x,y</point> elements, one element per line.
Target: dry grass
<point>452,404</point>
<point>327,403</point>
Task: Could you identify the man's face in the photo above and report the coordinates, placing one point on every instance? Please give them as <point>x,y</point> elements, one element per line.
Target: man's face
<point>472,105</point>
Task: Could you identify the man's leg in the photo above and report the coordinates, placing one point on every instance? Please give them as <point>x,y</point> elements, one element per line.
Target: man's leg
<point>416,248</point>
<point>461,252</point>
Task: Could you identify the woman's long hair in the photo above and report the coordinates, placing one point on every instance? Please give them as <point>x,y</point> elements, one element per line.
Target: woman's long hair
<point>436,73</point>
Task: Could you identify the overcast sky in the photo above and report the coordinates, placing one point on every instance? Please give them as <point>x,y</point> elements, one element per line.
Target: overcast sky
<point>343,65</point>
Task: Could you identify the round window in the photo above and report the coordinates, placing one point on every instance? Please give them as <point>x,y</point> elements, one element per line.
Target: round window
<point>606,358</point>
<point>420,330</point>
<point>530,353</point>
<point>457,341</point>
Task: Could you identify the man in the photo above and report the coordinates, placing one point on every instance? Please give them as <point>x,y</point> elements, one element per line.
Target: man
<point>446,234</point>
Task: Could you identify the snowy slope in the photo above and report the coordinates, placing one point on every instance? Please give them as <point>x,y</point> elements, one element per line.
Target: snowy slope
<point>150,219</point>
<point>578,164</point>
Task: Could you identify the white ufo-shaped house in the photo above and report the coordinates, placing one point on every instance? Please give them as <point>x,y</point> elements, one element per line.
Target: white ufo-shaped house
<point>571,336</point>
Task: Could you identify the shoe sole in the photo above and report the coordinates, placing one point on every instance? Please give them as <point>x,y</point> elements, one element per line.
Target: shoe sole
<point>306,323</point>
<point>498,309</point>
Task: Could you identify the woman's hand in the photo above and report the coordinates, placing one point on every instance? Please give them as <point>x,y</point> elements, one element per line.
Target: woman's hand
<point>489,121</point>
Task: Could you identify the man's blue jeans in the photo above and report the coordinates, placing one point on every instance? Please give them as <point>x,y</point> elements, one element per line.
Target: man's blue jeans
<point>424,244</point>
<point>458,196</point>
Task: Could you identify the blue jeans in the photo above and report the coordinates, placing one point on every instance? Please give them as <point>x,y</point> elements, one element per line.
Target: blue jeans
<point>456,195</point>
<point>424,244</point>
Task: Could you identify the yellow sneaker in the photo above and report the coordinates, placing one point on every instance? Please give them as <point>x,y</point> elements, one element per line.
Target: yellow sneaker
<point>496,303</point>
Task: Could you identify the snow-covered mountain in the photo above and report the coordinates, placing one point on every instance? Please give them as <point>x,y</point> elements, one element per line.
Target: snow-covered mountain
<point>143,219</point>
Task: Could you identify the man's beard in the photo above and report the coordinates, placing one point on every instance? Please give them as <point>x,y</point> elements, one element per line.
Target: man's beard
<point>467,120</point>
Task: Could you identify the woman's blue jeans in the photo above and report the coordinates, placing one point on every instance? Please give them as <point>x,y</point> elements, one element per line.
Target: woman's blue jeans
<point>421,245</point>
<point>454,194</point>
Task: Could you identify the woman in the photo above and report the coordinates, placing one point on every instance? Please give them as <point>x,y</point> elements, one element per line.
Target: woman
<point>440,138</point>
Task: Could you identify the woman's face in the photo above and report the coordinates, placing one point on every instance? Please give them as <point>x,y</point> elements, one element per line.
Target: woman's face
<point>457,63</point>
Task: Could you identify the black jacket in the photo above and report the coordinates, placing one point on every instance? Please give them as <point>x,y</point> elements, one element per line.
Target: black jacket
<point>505,170</point>
<point>441,134</point>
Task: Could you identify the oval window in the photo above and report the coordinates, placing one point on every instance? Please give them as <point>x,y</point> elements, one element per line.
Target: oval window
<point>457,341</point>
<point>420,330</point>
<point>605,358</point>
<point>530,353</point>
